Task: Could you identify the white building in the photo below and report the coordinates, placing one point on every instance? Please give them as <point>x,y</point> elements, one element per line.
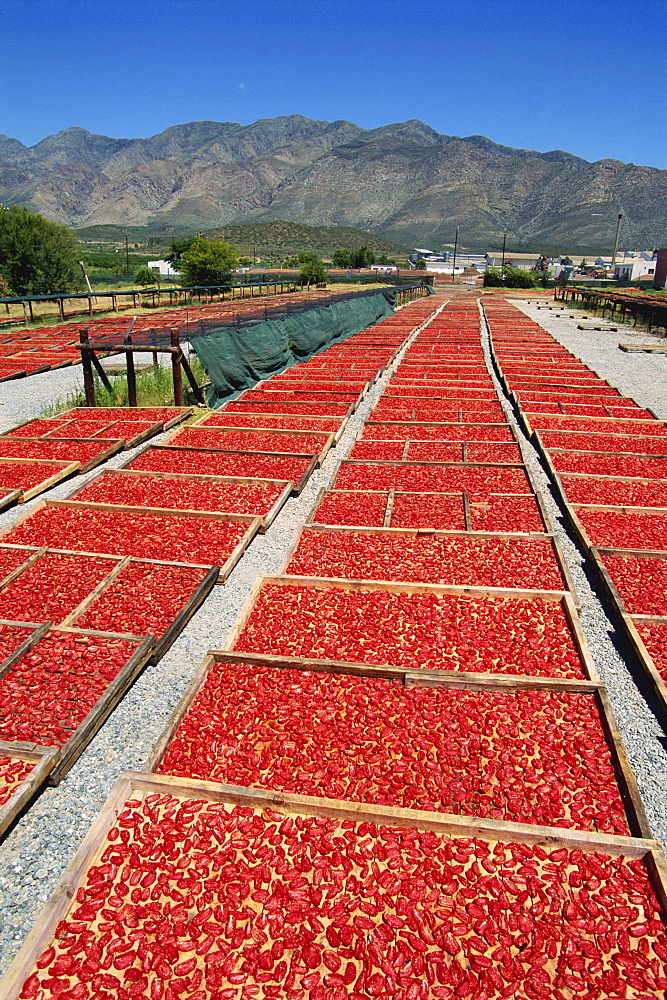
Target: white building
<point>163,267</point>
<point>638,264</point>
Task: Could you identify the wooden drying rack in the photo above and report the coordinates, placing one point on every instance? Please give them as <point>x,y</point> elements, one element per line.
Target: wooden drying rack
<point>90,361</point>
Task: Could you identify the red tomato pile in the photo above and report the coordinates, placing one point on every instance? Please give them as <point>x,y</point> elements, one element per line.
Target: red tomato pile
<point>654,635</point>
<point>352,507</point>
<point>413,630</point>
<point>26,475</point>
<point>146,536</point>
<point>183,494</point>
<point>641,583</point>
<point>610,465</point>
<point>231,463</point>
<point>34,428</point>
<point>502,512</point>
<point>260,440</point>
<point>436,432</point>
<point>432,479</point>
<point>48,693</point>
<point>143,600</point>
<point>307,409</point>
<point>392,451</point>
<point>611,425</point>
<point>620,530</point>
<point>476,562</point>
<point>312,907</point>
<point>442,511</point>
<point>617,492</point>
<point>11,559</point>
<point>522,756</point>
<point>52,587</point>
<point>634,444</point>
<point>13,771</point>
<point>224,418</point>
<point>65,451</point>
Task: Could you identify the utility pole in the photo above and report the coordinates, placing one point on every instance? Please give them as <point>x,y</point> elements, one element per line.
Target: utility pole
<point>456,243</point>
<point>504,239</point>
<point>618,233</point>
<point>127,256</point>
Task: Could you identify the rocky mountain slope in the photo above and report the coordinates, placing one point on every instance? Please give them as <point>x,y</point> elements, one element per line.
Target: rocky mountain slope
<point>404,181</point>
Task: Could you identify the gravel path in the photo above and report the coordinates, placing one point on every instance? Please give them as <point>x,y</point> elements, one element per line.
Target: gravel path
<point>35,853</point>
<point>641,376</point>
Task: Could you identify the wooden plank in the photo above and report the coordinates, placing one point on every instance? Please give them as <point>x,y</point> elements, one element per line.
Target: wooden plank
<point>389,509</point>
<point>45,758</point>
<point>64,473</point>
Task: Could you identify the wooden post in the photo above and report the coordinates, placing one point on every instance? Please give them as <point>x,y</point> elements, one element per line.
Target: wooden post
<point>30,310</point>
<point>61,308</point>
<point>88,382</point>
<point>176,369</point>
<point>196,389</point>
<point>131,375</point>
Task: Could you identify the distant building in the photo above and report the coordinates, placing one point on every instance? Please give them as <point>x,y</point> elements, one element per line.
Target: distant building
<point>163,267</point>
<point>522,261</point>
<point>638,264</point>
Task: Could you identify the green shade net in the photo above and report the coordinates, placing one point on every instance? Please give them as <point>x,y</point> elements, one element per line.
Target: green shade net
<point>237,359</point>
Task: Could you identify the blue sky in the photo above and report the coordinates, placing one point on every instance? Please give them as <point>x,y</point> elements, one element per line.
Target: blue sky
<point>585,76</point>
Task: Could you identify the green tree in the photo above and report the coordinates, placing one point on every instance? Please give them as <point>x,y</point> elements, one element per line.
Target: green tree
<point>342,258</point>
<point>178,248</point>
<point>363,257</point>
<point>312,269</point>
<point>36,256</point>
<point>146,276</point>
<point>207,262</point>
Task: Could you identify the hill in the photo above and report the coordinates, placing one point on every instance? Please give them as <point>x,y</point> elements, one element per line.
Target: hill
<point>404,182</point>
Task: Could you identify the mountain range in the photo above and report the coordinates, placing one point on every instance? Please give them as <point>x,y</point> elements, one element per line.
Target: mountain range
<point>404,181</point>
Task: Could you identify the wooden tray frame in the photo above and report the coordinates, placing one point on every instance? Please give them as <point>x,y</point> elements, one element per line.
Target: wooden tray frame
<point>297,487</point>
<point>46,759</point>
<point>183,414</point>
<point>253,523</point>
<point>326,438</point>
<point>267,519</point>
<point>9,498</point>
<point>115,691</point>
<point>116,565</point>
<point>390,503</point>
<point>134,785</point>
<point>204,422</point>
<point>324,583</point>
<point>635,814</point>
<point>559,558</point>
<point>61,470</point>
